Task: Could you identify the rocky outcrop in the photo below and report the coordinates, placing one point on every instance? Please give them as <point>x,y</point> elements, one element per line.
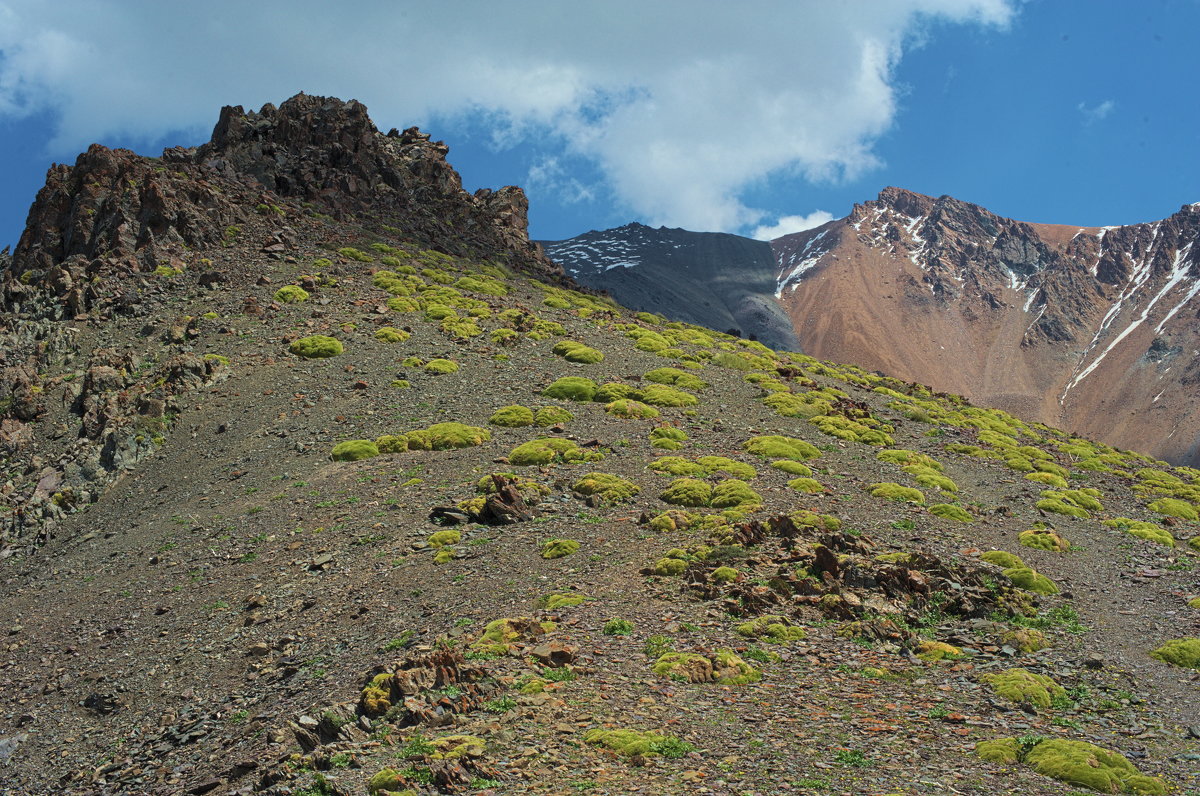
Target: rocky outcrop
<point>113,242</point>
<point>328,152</point>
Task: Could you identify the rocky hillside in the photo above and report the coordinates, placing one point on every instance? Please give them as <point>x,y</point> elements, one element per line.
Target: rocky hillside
<point>308,493</point>
<point>1092,329</point>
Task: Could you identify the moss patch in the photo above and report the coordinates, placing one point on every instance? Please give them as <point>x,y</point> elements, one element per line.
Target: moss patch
<point>291,294</point>
<point>573,351</point>
<point>390,334</point>
<point>549,450</point>
<point>1044,539</point>
<point>662,395</point>
<point>316,346</point>
<point>687,492</point>
<point>1021,685</point>
<point>558,548</point>
<point>447,436</point>
<point>676,378</point>
<point>443,538</point>
<point>606,488</point>
<point>1174,507</point>
<point>552,602</point>
<point>571,388</point>
<point>551,415</point>
<point>949,511</point>
<point>722,667</point>
<point>770,627</point>
<point>807,486</point>
<point>353,450</point>
<point>441,367</point>
<point>793,468</point>
<point>1002,559</point>
<point>1183,652</point>
<point>634,743</point>
<point>893,491</point>
<point>1031,580</point>
<point>777,447</point>
<point>1090,766</point>
<point>631,409</point>
<point>1151,532</point>
<point>1002,750</point>
<point>514,416</point>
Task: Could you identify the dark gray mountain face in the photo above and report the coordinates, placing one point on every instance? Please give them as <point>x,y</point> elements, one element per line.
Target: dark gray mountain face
<point>707,278</point>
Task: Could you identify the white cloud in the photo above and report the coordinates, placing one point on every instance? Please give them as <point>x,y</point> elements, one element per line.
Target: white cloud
<point>1098,112</point>
<point>679,107</point>
<point>549,176</point>
<point>786,225</point>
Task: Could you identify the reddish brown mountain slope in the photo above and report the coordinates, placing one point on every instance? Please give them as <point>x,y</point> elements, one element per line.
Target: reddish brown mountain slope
<point>1092,329</point>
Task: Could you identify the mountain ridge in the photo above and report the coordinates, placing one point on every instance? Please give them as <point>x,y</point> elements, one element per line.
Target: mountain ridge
<point>1029,312</point>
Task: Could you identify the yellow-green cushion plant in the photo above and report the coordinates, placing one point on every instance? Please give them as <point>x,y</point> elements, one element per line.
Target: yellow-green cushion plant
<point>1174,507</point>
<point>733,493</point>
<point>353,450</point>
<point>551,415</point>
<point>893,491</point>
<point>1031,580</point>
<point>606,488</point>
<point>553,602</point>
<point>793,468</point>
<point>440,367</point>
<point>637,744</point>
<point>1151,532</point>
<point>551,450</point>
<point>687,492</point>
<point>390,334</point>
<point>1183,652</point>
<point>662,395</point>
<point>949,511</point>
<point>1044,539</point>
<point>807,486</point>
<point>558,548</point>
<point>676,378</point>
<point>573,351</point>
<point>514,416</point>
<point>317,346</point>
<point>1002,559</point>
<point>770,627</point>
<point>1090,766</point>
<point>724,575</point>
<point>1049,479</point>
<point>1025,639</point>
<point>443,538</point>
<point>777,447</point>
<point>630,409</point>
<point>447,436</point>
<point>291,294</point>
<point>571,388</point>
<point>1021,685</point>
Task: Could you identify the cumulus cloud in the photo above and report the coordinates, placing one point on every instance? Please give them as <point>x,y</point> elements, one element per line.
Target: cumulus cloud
<point>1098,112</point>
<point>680,106</point>
<point>789,224</point>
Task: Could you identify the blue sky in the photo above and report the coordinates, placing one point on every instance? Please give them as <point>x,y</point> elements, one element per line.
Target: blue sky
<point>759,117</point>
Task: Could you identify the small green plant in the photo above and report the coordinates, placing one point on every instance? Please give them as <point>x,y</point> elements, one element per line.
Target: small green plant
<point>852,758</point>
<point>617,627</point>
